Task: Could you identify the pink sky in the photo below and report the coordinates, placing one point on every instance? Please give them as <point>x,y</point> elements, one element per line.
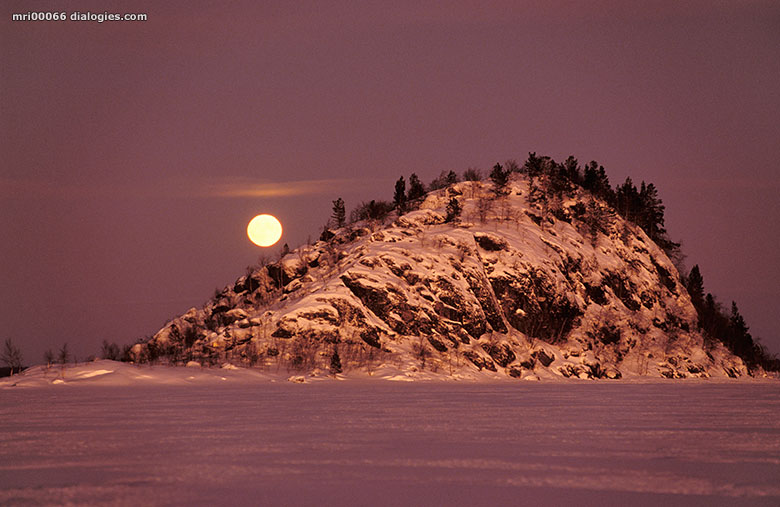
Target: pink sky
<point>126,145</point>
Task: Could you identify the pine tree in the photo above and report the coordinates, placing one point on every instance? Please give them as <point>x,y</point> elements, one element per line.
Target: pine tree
<point>454,210</point>
<point>416,188</point>
<point>399,197</point>
<point>339,213</point>
<point>736,320</point>
<point>650,215</point>
<point>559,178</point>
<point>627,200</point>
<point>590,176</point>
<point>572,170</point>
<point>500,178</point>
<point>695,286</point>
<point>533,166</point>
<point>596,180</point>
<point>741,341</point>
<point>710,318</point>
<point>597,219</point>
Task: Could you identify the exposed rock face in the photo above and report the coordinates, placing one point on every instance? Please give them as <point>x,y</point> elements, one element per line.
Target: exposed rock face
<point>522,290</point>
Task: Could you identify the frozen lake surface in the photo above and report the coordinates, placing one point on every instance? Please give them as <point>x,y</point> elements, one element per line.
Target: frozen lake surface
<point>393,443</point>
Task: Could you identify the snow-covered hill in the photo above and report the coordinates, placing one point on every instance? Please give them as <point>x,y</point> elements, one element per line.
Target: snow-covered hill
<point>517,287</point>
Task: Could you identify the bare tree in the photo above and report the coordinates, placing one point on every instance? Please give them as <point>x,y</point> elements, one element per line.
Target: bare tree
<point>64,355</point>
<point>12,356</point>
<point>421,351</point>
<point>484,206</point>
<point>48,358</point>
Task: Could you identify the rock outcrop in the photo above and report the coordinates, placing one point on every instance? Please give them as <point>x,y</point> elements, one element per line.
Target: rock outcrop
<point>514,287</point>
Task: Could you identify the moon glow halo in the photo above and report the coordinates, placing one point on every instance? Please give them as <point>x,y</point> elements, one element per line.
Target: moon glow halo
<point>264,230</point>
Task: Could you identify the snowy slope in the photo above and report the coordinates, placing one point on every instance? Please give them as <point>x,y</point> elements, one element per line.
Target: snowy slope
<point>513,288</point>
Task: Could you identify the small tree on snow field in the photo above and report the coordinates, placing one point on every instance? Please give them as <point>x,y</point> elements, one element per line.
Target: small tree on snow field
<point>11,356</point>
<point>64,355</point>
<point>48,358</point>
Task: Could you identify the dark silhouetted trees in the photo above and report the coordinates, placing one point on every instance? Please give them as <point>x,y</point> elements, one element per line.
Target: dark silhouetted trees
<point>740,340</point>
<point>650,216</point>
<point>399,197</point>
<point>596,181</point>
<point>627,200</point>
<point>472,174</point>
<point>729,328</point>
<point>533,165</point>
<point>372,210</point>
<point>416,188</point>
<point>571,169</point>
<point>644,208</point>
<point>445,179</point>
<point>695,285</point>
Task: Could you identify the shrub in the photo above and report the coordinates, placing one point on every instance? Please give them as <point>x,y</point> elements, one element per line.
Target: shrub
<point>372,210</point>
<point>472,174</point>
<point>445,179</point>
<point>109,351</point>
<point>500,178</point>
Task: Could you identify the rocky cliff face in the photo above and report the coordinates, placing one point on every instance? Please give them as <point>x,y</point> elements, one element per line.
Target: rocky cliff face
<point>517,287</point>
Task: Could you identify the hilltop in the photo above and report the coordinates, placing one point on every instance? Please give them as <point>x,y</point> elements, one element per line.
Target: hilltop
<point>493,279</point>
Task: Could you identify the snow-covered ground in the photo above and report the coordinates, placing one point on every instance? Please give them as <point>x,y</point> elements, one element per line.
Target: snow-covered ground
<point>119,434</point>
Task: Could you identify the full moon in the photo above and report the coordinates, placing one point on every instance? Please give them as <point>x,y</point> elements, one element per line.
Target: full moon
<point>264,230</point>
